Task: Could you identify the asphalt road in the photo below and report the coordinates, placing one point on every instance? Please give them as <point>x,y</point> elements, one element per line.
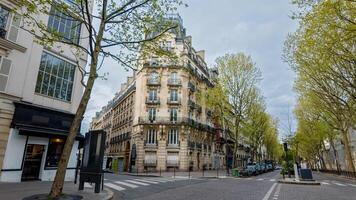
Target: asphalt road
<point>262,187</point>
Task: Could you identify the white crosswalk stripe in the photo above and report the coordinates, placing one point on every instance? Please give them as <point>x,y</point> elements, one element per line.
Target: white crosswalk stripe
<point>272,180</point>
<point>339,184</point>
<point>325,183</point>
<point>353,185</point>
<point>113,186</point>
<point>126,184</point>
<point>146,181</point>
<point>137,182</point>
<point>260,179</point>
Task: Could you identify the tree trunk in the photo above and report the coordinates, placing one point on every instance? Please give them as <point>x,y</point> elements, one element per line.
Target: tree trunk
<point>58,182</point>
<point>348,154</point>
<point>336,155</point>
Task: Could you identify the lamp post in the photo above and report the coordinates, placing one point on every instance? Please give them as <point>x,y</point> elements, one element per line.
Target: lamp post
<point>285,147</point>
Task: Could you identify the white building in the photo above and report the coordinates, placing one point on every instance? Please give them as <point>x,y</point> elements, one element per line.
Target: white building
<point>40,91</point>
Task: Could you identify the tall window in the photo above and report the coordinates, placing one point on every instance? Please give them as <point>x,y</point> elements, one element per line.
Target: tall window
<point>174,115</point>
<point>174,77</point>
<point>173,137</point>
<point>152,114</point>
<point>4,15</point>
<point>152,95</point>
<point>174,95</point>
<point>154,77</point>
<point>151,136</point>
<point>55,148</point>
<point>64,25</point>
<point>55,77</point>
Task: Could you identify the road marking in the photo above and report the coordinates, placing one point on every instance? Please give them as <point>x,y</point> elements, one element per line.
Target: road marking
<point>249,178</point>
<point>146,181</point>
<point>126,184</point>
<point>159,180</point>
<point>339,184</point>
<point>260,179</point>
<point>115,187</point>
<point>136,182</point>
<point>272,180</point>
<point>268,194</point>
<point>353,185</point>
<point>325,183</point>
<point>276,194</point>
<point>105,179</point>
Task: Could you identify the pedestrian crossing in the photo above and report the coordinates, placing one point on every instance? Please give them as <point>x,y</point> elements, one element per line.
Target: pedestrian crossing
<point>127,184</point>
<point>322,182</point>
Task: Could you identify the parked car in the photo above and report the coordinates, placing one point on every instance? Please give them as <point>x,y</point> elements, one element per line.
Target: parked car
<point>253,168</point>
<point>258,168</point>
<point>269,167</point>
<point>249,170</point>
<point>263,167</point>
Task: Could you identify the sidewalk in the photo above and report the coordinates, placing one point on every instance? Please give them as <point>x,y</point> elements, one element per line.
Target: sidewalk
<point>193,174</point>
<point>18,191</point>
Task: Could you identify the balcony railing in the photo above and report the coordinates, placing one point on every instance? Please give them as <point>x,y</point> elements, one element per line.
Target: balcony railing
<point>155,82</point>
<point>147,144</point>
<point>173,102</point>
<point>172,163</point>
<point>150,162</point>
<point>178,120</point>
<point>174,82</point>
<point>152,101</point>
<point>173,145</point>
<point>191,86</point>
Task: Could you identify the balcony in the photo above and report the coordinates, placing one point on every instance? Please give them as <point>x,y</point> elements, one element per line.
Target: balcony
<point>147,144</point>
<point>152,101</point>
<point>150,163</point>
<point>3,33</point>
<point>173,102</point>
<point>173,146</point>
<point>155,82</point>
<point>174,82</point>
<point>172,163</point>
<point>191,87</point>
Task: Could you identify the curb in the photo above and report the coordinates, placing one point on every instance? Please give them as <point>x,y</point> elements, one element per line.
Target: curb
<point>110,194</point>
<point>299,182</point>
<point>142,175</point>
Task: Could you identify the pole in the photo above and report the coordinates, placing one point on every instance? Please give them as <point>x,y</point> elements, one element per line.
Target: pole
<point>174,172</point>
<point>225,137</point>
<point>217,172</point>
<point>203,171</point>
<point>77,168</point>
<point>189,172</point>
<point>160,172</point>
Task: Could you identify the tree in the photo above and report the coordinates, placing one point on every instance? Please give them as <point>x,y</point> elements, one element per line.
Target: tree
<point>119,30</point>
<point>320,51</point>
<point>238,77</point>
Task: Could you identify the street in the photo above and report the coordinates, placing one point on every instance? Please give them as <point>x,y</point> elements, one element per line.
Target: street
<point>262,187</point>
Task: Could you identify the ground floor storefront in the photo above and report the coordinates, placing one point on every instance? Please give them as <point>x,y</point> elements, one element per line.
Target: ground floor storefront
<point>35,142</point>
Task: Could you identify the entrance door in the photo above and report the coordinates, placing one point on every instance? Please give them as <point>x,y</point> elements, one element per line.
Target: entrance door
<point>32,162</point>
<point>120,164</point>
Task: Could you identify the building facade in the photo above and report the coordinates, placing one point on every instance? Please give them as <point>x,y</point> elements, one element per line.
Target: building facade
<point>39,93</point>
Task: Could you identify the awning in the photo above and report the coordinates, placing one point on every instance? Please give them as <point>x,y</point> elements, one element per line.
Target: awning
<point>40,121</point>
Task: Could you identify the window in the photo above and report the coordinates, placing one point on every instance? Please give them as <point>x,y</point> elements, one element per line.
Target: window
<point>4,16</point>
<point>153,77</point>
<point>152,95</point>
<point>174,115</point>
<point>173,137</point>
<point>174,95</point>
<point>55,77</point>
<point>55,148</point>
<point>5,65</point>
<point>151,136</point>
<point>152,114</point>
<point>190,115</point>
<point>64,25</point>
<point>174,77</point>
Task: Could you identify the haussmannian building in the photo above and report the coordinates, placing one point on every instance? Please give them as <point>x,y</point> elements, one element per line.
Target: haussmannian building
<point>158,120</point>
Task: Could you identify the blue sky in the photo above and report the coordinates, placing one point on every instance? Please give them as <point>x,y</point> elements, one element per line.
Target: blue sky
<point>255,27</point>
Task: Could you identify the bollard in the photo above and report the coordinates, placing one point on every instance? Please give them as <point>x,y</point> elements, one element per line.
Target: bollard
<point>203,171</point>
<point>174,172</point>
<point>160,172</point>
<point>189,172</point>
<point>217,172</point>
<point>146,172</point>
<point>137,171</point>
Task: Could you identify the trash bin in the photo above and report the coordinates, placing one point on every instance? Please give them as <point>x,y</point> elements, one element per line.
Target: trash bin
<point>235,172</point>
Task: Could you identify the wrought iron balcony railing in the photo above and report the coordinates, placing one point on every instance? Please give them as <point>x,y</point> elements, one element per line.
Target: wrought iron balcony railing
<point>173,101</point>
<point>154,101</point>
<point>155,82</point>
<point>174,82</point>
<point>191,86</point>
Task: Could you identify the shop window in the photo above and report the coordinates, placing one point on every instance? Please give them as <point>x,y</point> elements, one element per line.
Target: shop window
<point>55,148</point>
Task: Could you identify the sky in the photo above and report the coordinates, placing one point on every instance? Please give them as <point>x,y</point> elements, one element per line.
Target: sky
<point>255,27</point>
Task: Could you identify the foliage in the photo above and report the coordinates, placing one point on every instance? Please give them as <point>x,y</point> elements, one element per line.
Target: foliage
<point>322,53</point>
<point>125,31</point>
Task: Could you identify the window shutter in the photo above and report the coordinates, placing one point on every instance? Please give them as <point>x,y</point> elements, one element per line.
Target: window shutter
<point>14,28</point>
<point>4,73</point>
